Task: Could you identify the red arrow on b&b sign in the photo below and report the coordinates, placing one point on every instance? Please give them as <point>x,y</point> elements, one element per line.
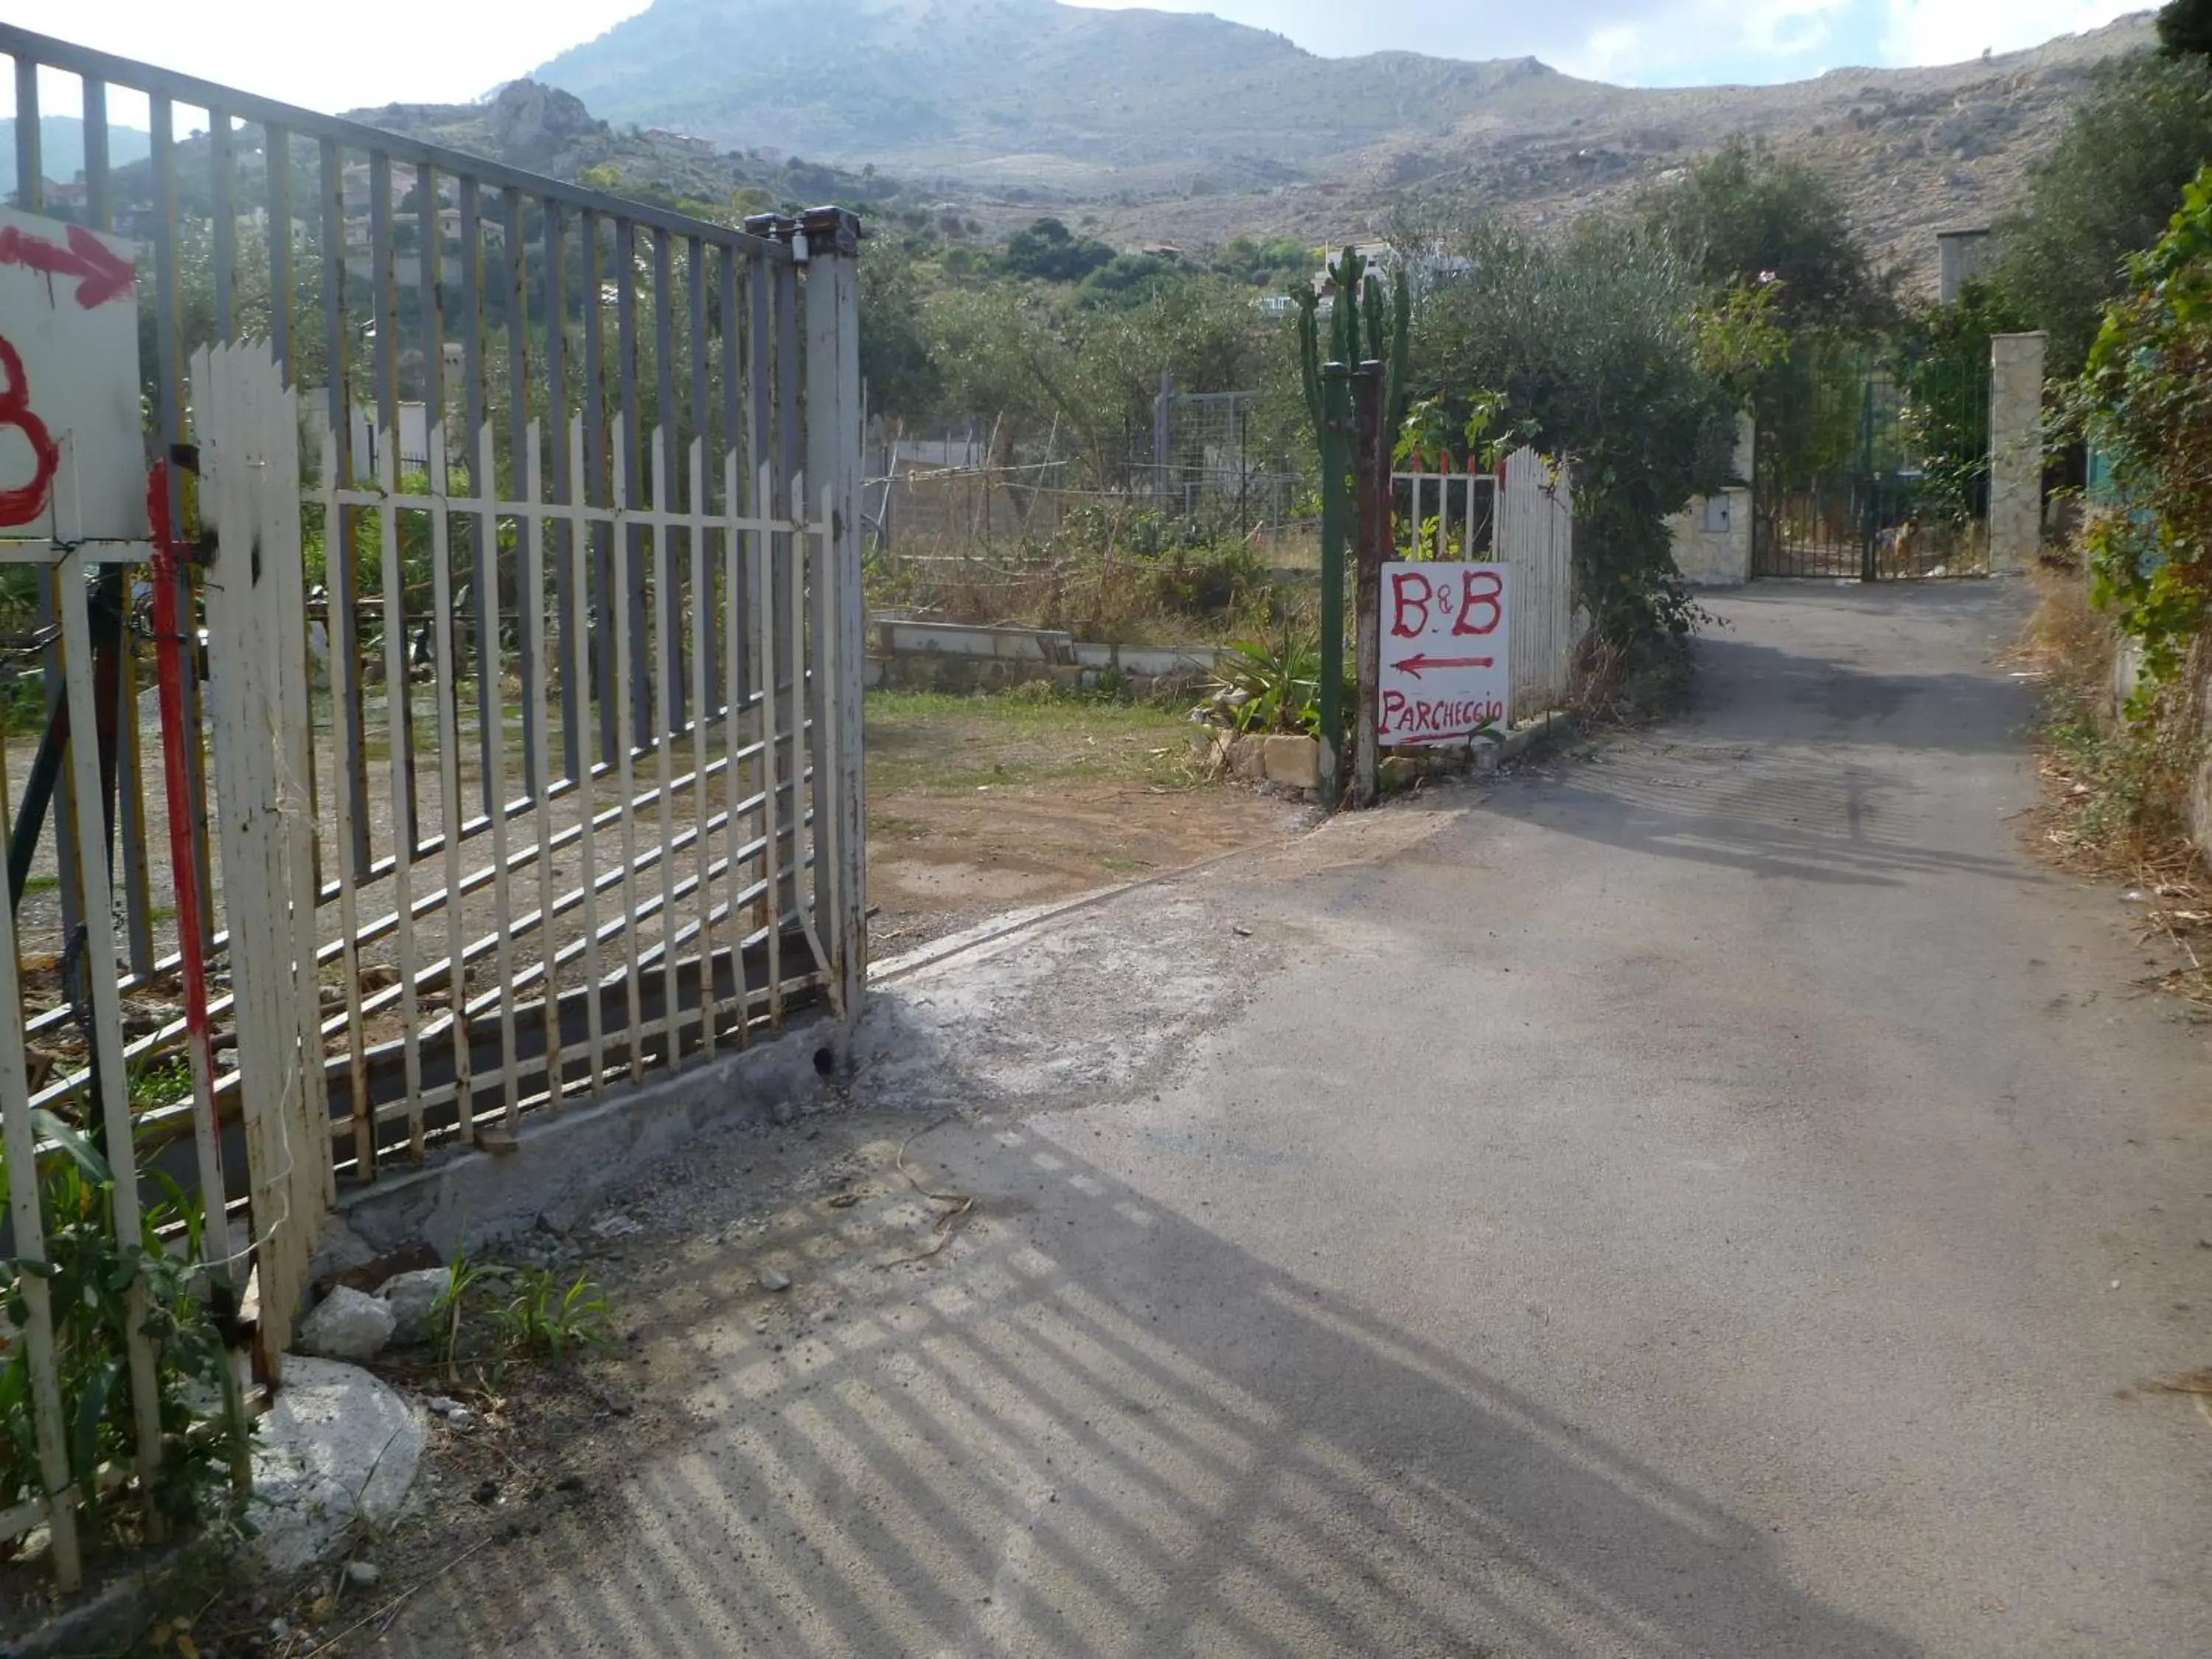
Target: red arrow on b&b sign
<point>1417,666</point>
<point>100,277</point>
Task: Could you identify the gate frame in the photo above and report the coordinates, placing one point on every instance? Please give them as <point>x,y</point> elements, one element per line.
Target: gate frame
<point>797,424</point>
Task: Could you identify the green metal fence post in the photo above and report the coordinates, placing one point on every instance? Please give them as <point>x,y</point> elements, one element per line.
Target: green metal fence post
<point>1336,522</point>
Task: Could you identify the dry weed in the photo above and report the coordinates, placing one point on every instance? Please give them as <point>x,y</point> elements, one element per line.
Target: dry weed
<point>2116,797</point>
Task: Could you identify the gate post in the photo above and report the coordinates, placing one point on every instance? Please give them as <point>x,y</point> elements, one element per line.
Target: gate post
<point>2015,450</point>
<point>249,435</point>
<point>1370,548</point>
<point>829,242</point>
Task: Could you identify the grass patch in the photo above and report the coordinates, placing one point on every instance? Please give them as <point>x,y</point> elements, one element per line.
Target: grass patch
<point>933,743</point>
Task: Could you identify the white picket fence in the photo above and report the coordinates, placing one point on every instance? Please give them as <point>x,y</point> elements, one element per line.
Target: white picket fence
<point>1521,515</point>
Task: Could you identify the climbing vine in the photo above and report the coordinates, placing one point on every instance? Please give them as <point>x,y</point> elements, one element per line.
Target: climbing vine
<point>2143,408</point>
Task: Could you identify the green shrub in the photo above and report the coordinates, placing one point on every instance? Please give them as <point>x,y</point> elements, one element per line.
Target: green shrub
<point>90,1277</point>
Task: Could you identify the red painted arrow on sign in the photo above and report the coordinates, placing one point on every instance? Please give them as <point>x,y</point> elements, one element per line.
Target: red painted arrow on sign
<point>1418,665</point>
<point>100,277</point>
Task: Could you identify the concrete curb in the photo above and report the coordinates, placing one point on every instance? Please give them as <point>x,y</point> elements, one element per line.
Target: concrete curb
<point>1534,734</point>
<point>106,1620</point>
<point>563,1163</point>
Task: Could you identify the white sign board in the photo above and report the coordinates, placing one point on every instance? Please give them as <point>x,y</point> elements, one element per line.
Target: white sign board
<point>72,456</point>
<point>1445,673</point>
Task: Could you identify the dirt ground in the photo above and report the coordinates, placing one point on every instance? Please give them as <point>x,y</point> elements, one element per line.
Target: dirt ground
<point>982,804</point>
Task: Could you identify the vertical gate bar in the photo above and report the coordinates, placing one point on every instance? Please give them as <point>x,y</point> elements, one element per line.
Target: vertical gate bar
<point>448,715</point>
<point>107,1058</point>
<point>277,173</point>
<point>533,532</point>
<point>169,345</point>
<point>14,1087</point>
<point>756,619</point>
<point>760,385</point>
<point>732,446</point>
<point>429,307</point>
<point>129,807</point>
<point>345,715</point>
<point>314,1181</point>
<point>665,719</point>
<point>249,709</point>
<point>30,197</point>
<point>401,725</point>
<point>580,646</point>
<point>222,168</point>
<point>27,1223</point>
<point>790,645</point>
<point>627,468</point>
<point>703,428</point>
<point>276,161</point>
<point>517,440</point>
<point>98,209</point>
<point>733,582</point>
<point>625,770</point>
<point>833,443</point>
<point>764,663</point>
<point>594,488</point>
<point>398,704</point>
<point>480,529</point>
<point>30,170</point>
<point>170,659</point>
<point>828,814</point>
<point>703,615</point>
<point>814,607</point>
<point>567,594</point>
<point>342,534</point>
<point>806,826</point>
<point>670,595</point>
<point>486,468</point>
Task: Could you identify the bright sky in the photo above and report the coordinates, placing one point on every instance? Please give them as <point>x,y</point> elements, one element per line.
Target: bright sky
<point>440,50</point>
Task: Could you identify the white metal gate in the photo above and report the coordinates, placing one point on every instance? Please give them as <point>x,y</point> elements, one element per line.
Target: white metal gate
<point>490,775</point>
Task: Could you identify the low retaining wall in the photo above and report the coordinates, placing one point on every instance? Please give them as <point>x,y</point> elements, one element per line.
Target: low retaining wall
<point>925,656</point>
<point>2127,671</point>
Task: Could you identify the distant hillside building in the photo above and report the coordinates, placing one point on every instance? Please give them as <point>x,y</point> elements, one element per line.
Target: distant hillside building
<point>1960,256</point>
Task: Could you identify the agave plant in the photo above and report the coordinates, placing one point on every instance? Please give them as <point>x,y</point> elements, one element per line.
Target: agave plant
<point>1271,686</point>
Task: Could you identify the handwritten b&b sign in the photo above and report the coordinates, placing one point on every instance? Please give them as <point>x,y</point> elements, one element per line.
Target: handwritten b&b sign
<point>1444,667</point>
<point>72,463</point>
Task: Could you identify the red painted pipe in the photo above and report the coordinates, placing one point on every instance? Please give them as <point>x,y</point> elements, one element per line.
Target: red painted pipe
<point>170,668</point>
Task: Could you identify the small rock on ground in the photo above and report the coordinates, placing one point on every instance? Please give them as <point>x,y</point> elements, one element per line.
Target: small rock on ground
<point>413,1298</point>
<point>775,1278</point>
<point>349,1325</point>
<point>338,1450</point>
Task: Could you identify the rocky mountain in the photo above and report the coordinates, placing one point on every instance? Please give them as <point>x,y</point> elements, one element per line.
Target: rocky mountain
<point>61,154</point>
<point>545,129</point>
<point>1156,126</point>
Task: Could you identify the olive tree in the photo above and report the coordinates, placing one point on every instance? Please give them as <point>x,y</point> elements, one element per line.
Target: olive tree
<point>1596,344</point>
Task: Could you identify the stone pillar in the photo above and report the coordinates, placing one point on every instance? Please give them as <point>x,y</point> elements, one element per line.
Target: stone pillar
<point>2015,450</point>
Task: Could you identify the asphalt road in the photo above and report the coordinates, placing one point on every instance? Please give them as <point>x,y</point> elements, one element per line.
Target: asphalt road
<point>1720,1197</point>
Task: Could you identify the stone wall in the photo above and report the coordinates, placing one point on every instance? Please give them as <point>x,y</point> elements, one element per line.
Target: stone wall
<point>1713,535</point>
<point>923,656</point>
